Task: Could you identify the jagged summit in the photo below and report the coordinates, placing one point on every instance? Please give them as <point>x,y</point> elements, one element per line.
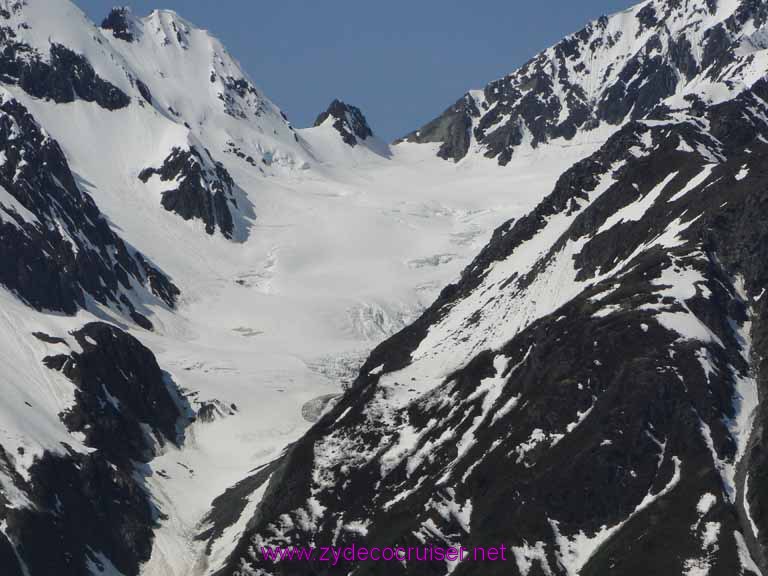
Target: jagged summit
<point>659,54</point>
<point>348,121</point>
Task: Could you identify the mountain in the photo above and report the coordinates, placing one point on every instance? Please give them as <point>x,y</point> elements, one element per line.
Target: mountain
<point>658,55</point>
<point>588,392</point>
<point>219,332</point>
<point>337,129</point>
<point>585,394</point>
<point>188,282</point>
<point>347,120</point>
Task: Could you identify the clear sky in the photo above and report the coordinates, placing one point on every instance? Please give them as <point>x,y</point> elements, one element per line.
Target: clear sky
<point>401,61</point>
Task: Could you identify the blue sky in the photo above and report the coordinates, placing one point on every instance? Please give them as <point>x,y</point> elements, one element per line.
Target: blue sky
<point>402,62</point>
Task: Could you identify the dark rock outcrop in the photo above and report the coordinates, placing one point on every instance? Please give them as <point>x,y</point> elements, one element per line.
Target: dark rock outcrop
<point>121,392</point>
<point>87,513</point>
<point>205,190</point>
<point>453,129</point>
<point>64,77</point>
<point>56,247</point>
<point>348,121</point>
<point>92,512</point>
<point>119,21</point>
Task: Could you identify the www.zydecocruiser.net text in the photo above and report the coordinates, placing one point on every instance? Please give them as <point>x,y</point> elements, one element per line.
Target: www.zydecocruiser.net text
<point>353,553</point>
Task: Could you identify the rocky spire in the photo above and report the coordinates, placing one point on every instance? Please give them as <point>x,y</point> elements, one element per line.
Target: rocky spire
<point>348,121</point>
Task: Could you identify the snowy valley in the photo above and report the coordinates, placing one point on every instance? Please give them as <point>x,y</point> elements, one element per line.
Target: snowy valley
<point>538,319</point>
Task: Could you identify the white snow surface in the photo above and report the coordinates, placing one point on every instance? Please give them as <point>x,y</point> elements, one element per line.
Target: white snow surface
<point>340,248</point>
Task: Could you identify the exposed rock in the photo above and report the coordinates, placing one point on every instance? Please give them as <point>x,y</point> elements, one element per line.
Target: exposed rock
<point>452,129</point>
<point>144,91</point>
<point>602,419</point>
<point>121,393</point>
<point>348,121</point>
<point>204,188</point>
<point>595,77</point>
<point>67,76</point>
<point>86,512</point>
<point>92,512</point>
<point>55,245</point>
<point>211,410</point>
<point>119,21</point>
<point>229,507</point>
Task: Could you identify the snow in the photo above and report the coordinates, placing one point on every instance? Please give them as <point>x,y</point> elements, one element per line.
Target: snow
<point>745,558</point>
<point>575,551</point>
<point>527,554</point>
<point>322,273</point>
<point>505,313</point>
<point>489,389</point>
<point>321,276</point>
<point>635,211</point>
<point>711,532</point>
<point>580,417</point>
<point>694,182</point>
<point>450,510</point>
<point>745,399</point>
<point>682,284</point>
<point>683,146</point>
<point>338,248</point>
<point>100,565</point>
<point>33,396</point>
<point>537,437</point>
<point>705,503</point>
<point>747,511</point>
<point>10,205</point>
<point>725,468</point>
<point>702,565</point>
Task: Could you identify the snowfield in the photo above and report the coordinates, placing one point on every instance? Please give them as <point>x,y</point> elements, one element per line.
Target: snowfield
<point>334,247</point>
<point>336,261</point>
<point>337,248</point>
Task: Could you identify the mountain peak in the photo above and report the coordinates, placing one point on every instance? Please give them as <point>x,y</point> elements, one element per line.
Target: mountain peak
<point>348,121</point>
<point>121,22</point>
<point>621,67</point>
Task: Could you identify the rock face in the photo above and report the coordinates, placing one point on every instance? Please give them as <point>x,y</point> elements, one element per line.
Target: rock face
<point>92,512</point>
<point>585,394</point>
<point>204,188</point>
<point>56,247</point>
<point>452,129</point>
<point>61,75</point>
<point>615,69</point>
<point>120,387</point>
<point>120,22</point>
<point>348,121</point>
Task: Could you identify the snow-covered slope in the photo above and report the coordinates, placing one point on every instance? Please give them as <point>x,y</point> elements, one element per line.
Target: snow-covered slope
<point>341,134</point>
<point>166,89</point>
<point>586,394</point>
<point>189,283</point>
<point>331,249</point>
<point>657,55</point>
